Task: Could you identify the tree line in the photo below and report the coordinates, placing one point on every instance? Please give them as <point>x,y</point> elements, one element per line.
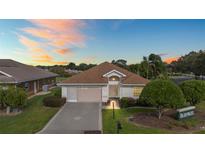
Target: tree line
<point>150,67</point>
<point>191,63</point>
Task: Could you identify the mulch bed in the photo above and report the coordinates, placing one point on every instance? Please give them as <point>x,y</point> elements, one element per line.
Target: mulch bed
<point>169,122</point>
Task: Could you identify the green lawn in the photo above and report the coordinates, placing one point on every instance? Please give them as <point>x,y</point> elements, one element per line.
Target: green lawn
<point>31,120</point>
<point>109,124</point>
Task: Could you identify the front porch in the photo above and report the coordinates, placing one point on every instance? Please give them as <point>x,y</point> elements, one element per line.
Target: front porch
<point>112,103</point>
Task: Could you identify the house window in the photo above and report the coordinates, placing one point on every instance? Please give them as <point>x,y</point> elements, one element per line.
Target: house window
<point>137,91</point>
<point>26,86</point>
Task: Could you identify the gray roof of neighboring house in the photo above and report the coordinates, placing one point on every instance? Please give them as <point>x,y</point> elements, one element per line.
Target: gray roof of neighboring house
<point>14,72</point>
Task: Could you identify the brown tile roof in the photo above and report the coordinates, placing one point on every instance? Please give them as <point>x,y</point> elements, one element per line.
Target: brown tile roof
<point>21,72</point>
<point>95,75</point>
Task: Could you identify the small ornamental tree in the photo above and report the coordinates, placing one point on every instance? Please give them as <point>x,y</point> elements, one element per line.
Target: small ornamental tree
<point>10,98</point>
<point>2,97</point>
<point>21,98</point>
<point>162,94</point>
<point>194,91</point>
<point>14,98</point>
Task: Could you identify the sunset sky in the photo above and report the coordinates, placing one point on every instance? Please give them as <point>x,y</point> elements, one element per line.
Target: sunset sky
<point>49,42</point>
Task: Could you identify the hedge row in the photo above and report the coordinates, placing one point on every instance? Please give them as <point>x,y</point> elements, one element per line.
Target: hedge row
<point>54,101</point>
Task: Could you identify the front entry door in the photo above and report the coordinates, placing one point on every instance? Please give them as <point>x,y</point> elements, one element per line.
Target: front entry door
<point>114,90</point>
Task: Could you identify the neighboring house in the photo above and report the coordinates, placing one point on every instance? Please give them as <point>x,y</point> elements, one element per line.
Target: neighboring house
<point>30,78</point>
<point>72,71</point>
<point>101,83</point>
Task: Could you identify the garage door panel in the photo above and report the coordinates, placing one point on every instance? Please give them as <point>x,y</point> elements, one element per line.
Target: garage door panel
<point>89,95</point>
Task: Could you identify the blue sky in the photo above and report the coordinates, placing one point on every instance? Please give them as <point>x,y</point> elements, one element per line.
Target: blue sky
<point>48,42</point>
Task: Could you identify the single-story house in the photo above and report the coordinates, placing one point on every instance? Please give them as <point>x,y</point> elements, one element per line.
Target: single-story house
<point>102,83</point>
<point>31,78</point>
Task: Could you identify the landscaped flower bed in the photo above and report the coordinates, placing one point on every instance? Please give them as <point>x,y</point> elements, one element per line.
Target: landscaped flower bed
<point>169,122</point>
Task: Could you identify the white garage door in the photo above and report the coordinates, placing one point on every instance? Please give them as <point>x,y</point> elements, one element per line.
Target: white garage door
<point>89,95</point>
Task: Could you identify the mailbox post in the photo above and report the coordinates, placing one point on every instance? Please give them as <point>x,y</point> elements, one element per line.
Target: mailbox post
<point>113,109</point>
<point>119,127</point>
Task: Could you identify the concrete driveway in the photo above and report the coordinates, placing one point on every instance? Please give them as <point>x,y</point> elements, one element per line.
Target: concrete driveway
<point>75,118</point>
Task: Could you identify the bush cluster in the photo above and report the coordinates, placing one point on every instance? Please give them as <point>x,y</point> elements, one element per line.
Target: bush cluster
<point>194,91</point>
<point>162,94</point>
<point>13,97</point>
<point>53,101</point>
<point>127,102</point>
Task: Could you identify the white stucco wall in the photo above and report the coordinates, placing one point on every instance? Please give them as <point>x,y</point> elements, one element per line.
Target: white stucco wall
<point>105,93</point>
<point>64,92</point>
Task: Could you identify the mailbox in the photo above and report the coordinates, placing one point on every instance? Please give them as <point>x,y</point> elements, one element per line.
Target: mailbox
<point>185,112</point>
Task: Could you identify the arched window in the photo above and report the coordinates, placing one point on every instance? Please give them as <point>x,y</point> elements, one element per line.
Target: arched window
<point>114,78</point>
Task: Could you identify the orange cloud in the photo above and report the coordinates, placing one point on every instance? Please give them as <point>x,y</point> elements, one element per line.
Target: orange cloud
<point>42,33</point>
<point>171,59</point>
<point>58,25</point>
<point>53,36</point>
<point>38,50</point>
<point>58,33</point>
<point>64,51</point>
<point>28,42</point>
<point>45,58</point>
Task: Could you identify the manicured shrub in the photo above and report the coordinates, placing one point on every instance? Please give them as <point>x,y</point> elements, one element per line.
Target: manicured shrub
<point>11,97</point>
<point>53,101</point>
<point>162,94</point>
<point>21,98</point>
<point>194,91</point>
<point>127,102</point>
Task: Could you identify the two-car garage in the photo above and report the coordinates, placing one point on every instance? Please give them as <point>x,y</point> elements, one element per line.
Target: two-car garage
<point>82,94</point>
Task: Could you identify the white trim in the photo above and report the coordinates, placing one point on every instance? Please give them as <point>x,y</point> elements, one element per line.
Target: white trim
<point>95,84</point>
<point>72,101</point>
<point>133,84</point>
<point>6,74</point>
<point>81,84</point>
<point>106,74</point>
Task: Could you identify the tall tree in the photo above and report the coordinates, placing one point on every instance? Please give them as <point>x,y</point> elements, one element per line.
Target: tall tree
<point>71,66</point>
<point>156,64</point>
<point>144,68</point>
<point>135,68</point>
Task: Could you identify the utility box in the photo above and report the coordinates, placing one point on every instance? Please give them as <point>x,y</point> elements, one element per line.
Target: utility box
<point>45,88</point>
<point>185,112</point>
